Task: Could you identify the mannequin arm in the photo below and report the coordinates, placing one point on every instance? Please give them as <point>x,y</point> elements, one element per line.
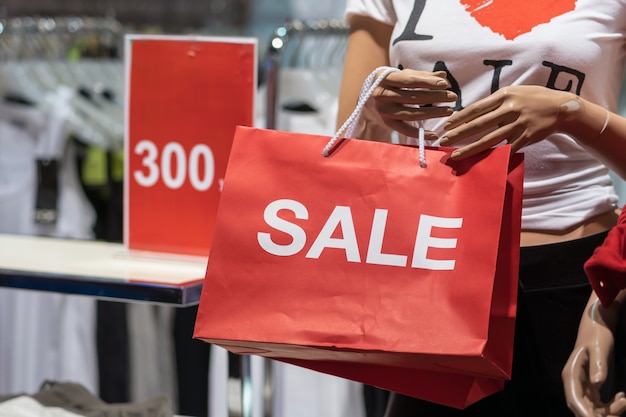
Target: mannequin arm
<point>608,146</point>
<point>523,115</point>
<point>367,50</point>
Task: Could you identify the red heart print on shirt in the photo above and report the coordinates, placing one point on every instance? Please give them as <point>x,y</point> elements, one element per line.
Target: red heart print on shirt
<point>511,18</point>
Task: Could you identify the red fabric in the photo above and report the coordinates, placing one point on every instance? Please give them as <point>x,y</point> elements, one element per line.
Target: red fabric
<point>606,269</point>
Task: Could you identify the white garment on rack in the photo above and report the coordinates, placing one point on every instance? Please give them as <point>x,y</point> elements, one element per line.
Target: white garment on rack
<point>25,406</point>
<point>225,392</point>
<point>152,358</point>
<point>305,87</point>
<point>305,393</point>
<point>43,335</point>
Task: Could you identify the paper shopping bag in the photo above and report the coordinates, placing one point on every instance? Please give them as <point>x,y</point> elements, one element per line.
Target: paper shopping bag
<point>366,265</point>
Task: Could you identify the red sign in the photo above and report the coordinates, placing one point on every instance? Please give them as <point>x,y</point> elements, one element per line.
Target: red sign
<point>186,95</point>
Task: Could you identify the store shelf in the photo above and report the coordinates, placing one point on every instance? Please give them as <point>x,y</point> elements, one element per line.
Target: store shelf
<point>99,269</point>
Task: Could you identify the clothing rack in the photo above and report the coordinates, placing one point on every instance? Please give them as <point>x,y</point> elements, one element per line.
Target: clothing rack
<point>77,54</point>
<point>46,24</point>
<point>171,16</point>
<point>285,43</point>
<point>53,37</point>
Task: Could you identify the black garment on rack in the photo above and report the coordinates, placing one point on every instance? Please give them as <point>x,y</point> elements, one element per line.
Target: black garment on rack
<point>192,365</point>
<point>376,401</point>
<point>112,339</point>
<point>113,351</point>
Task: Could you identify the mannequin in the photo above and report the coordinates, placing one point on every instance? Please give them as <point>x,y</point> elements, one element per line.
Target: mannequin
<point>479,74</point>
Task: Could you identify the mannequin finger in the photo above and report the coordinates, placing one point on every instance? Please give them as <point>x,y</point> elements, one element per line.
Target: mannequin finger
<point>493,129</point>
<point>514,136</point>
<point>469,150</point>
<point>408,78</point>
<point>472,112</point>
<point>420,97</point>
<point>617,406</point>
<point>509,133</point>
<point>502,122</point>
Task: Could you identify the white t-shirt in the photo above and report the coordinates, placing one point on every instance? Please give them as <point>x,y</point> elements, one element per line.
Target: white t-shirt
<point>570,45</point>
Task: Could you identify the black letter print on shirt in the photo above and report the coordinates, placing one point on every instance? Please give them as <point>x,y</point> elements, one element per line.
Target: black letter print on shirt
<point>454,84</point>
<point>409,31</point>
<point>558,69</point>
<point>497,70</point>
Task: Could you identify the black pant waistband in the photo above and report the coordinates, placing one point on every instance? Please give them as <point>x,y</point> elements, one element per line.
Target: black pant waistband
<point>557,264</point>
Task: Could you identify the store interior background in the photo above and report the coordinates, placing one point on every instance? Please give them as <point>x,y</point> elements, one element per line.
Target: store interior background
<point>132,352</point>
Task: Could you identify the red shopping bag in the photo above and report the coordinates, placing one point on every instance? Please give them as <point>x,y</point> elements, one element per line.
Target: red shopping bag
<point>366,265</point>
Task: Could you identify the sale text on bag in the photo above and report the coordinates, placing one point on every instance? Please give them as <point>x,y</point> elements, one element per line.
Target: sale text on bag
<point>342,218</point>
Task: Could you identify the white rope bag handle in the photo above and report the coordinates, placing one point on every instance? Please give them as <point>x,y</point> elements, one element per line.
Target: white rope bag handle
<point>349,127</point>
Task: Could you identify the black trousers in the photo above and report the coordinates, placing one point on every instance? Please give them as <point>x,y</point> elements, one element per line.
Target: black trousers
<point>553,292</point>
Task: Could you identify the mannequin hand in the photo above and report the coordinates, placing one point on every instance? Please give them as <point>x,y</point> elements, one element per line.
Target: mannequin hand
<point>520,115</point>
<point>401,95</point>
<point>583,375</point>
<point>587,367</point>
